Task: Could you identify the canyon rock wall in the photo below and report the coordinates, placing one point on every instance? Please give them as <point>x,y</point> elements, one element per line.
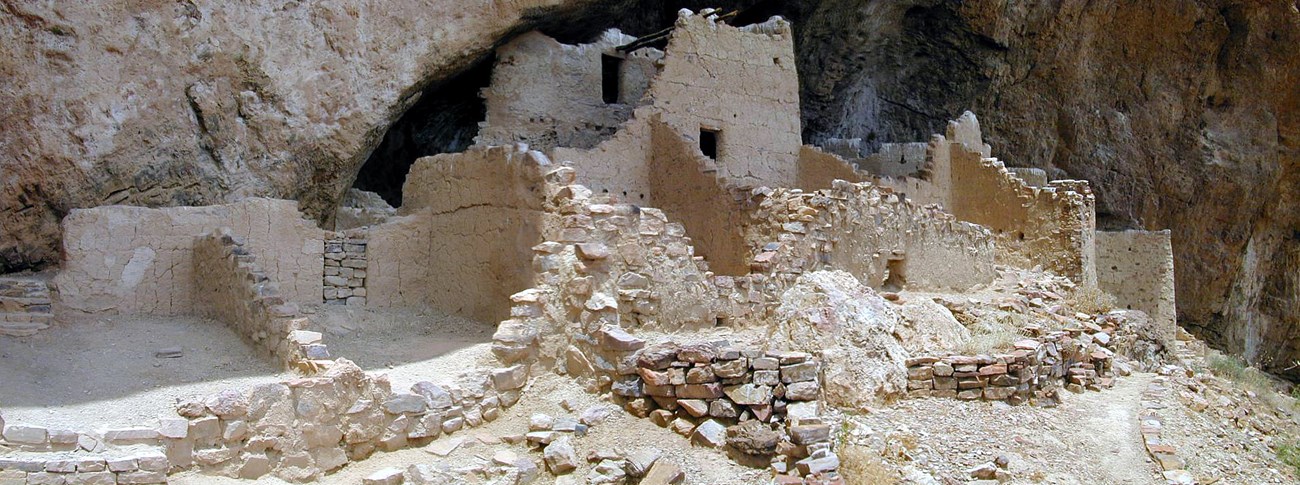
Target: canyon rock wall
<point>1184,115</point>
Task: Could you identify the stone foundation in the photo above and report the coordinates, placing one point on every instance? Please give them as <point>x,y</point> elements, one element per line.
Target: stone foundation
<point>1076,359</point>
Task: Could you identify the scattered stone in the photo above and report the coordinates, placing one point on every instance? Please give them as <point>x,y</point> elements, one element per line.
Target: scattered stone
<point>987,471</point>
<point>540,422</point>
<point>595,414</point>
<point>640,461</point>
<point>710,433</point>
<point>663,473</point>
<point>444,447</point>
<point>560,457</point>
<point>387,476</point>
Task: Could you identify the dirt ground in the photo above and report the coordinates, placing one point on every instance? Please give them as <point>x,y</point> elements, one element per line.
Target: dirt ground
<point>408,345</point>
<point>1090,438</point>
<point>103,373</point>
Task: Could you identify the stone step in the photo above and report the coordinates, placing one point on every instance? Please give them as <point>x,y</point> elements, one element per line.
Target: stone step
<point>29,305</point>
<point>22,328</point>
<point>20,317</point>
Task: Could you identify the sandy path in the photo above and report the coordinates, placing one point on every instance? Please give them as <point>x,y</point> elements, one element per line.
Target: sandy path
<point>1109,430</point>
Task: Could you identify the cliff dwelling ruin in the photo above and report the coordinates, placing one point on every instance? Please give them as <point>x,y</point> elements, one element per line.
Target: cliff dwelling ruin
<point>639,223</point>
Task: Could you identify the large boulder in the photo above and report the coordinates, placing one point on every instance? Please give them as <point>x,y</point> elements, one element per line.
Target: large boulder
<point>927,326</point>
<point>852,329</point>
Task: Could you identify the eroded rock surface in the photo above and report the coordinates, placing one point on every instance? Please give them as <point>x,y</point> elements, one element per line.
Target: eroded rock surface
<point>1183,115</point>
<point>854,329</point>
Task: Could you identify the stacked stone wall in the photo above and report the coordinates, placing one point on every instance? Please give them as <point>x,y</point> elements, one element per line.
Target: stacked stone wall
<point>862,228</point>
<point>296,430</point>
<point>345,267</point>
<point>237,291</point>
<point>25,306</point>
<point>1076,359</point>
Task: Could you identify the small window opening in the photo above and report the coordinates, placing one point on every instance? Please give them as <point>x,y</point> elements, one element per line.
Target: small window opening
<point>609,77</point>
<point>709,143</point>
<point>895,275</point>
<point>1020,235</point>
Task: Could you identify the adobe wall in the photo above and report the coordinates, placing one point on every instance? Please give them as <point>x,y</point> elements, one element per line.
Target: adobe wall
<point>818,168</point>
<point>691,192</point>
<point>462,242</point>
<point>740,82</point>
<point>896,160</point>
<point>1051,226</point>
<point>548,94</point>
<point>1137,267</point>
<point>137,260</point>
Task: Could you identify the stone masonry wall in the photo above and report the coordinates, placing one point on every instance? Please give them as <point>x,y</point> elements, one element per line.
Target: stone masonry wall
<point>136,260</point>
<point>296,430</point>
<point>1137,267</point>
<point>236,291</point>
<point>1037,368</point>
<point>1051,226</point>
<point>867,230</point>
<point>345,267</point>
<point>25,306</point>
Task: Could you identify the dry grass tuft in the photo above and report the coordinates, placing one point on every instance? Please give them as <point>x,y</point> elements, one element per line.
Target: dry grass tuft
<point>1088,299</point>
<point>860,466</point>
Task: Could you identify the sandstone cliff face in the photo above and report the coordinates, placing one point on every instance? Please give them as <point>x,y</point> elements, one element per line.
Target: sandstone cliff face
<point>198,102</point>
<point>1185,115</point>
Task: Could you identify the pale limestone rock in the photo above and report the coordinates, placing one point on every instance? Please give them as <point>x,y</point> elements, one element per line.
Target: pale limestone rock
<point>560,456</point>
<point>853,328</point>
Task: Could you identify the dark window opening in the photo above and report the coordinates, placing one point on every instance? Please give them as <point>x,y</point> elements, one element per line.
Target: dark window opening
<point>609,77</point>
<point>709,143</point>
<point>444,120</point>
<point>895,275</point>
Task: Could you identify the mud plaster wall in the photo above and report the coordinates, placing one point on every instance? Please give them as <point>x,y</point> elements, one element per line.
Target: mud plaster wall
<point>740,82</point>
<point>136,260</point>
<point>233,288</point>
<point>548,94</point>
<point>692,194</point>
<point>1049,226</point>
<point>818,168</point>
<point>896,159</point>
<point>462,243</point>
<point>1137,267</point>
